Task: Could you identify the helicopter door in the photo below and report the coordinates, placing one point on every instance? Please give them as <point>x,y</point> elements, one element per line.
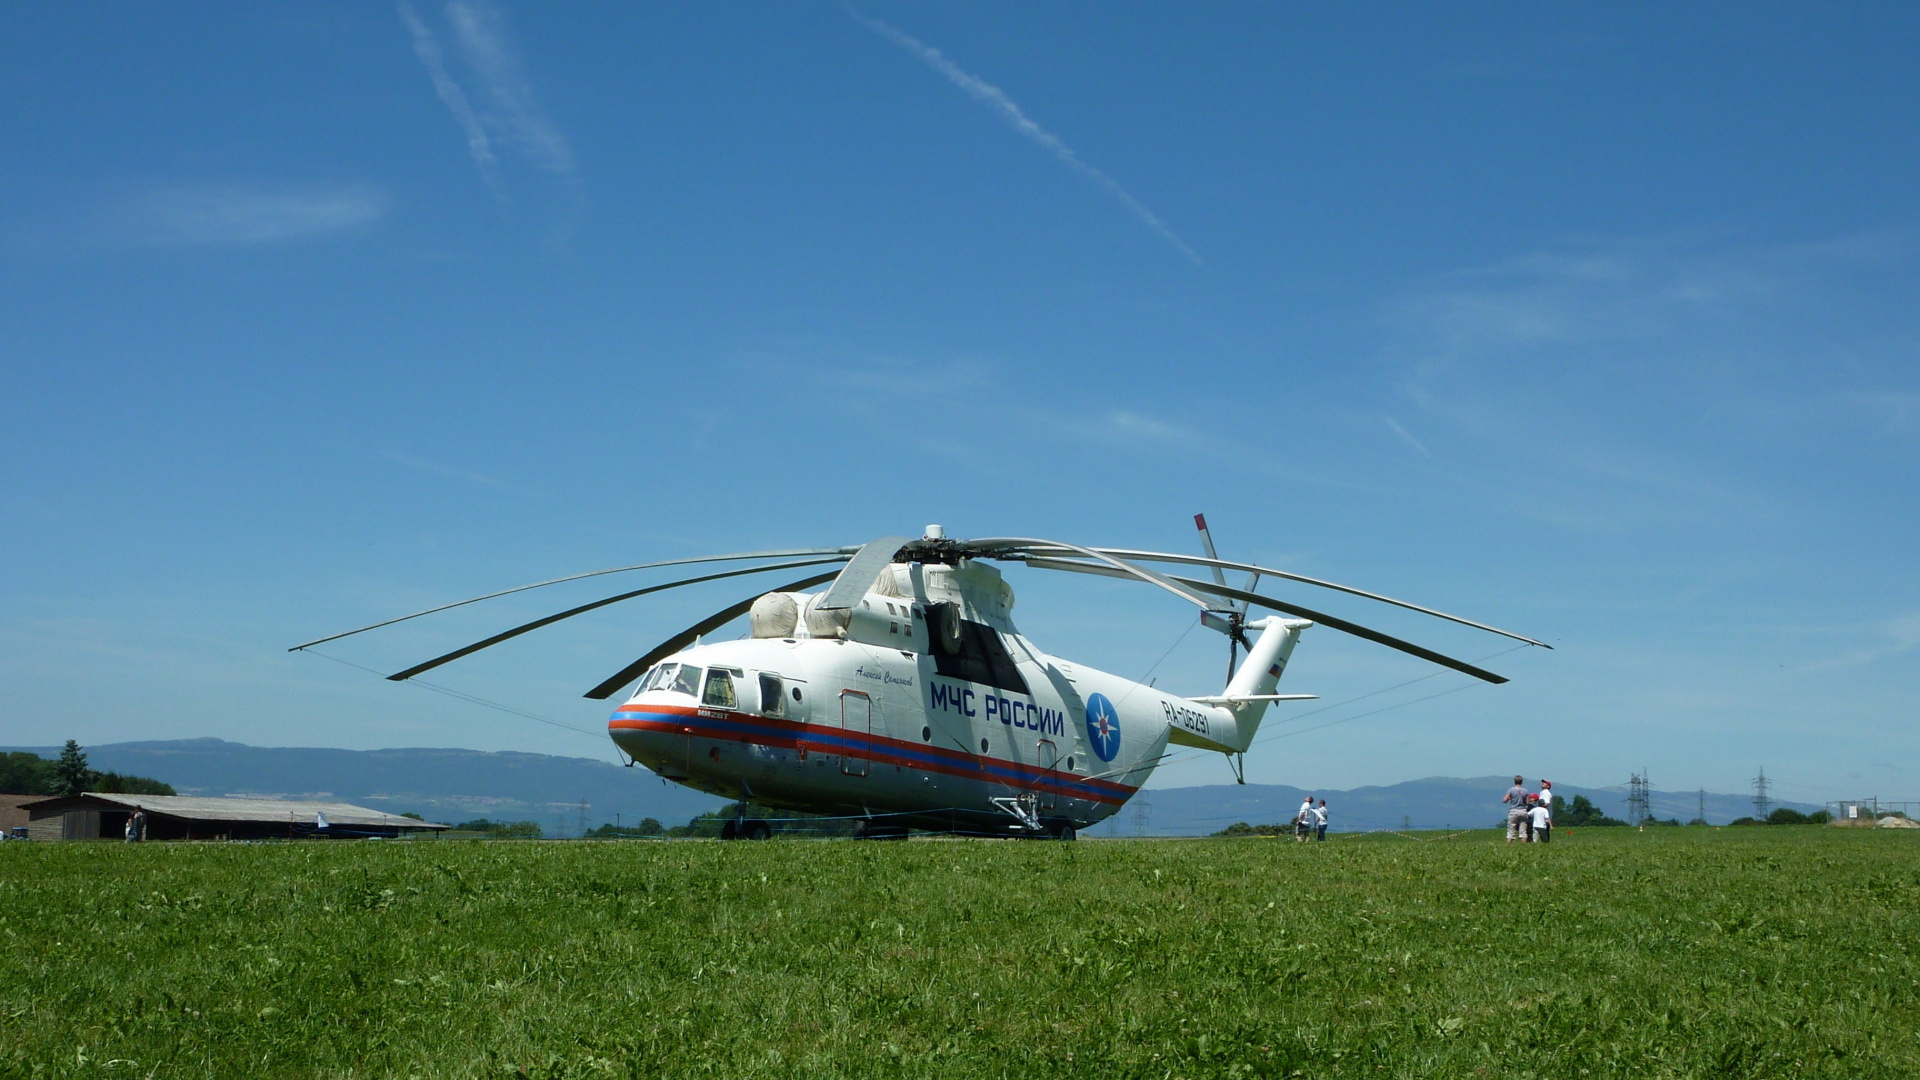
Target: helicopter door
<point>856,718</point>
<point>1049,761</point>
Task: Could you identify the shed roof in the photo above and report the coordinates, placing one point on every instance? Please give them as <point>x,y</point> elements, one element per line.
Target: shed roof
<point>225,808</point>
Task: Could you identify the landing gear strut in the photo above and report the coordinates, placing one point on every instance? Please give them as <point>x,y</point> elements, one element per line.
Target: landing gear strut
<point>745,829</point>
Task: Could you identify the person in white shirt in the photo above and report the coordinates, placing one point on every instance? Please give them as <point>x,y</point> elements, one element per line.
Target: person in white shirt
<point>1320,821</point>
<point>1542,819</point>
<point>1303,821</point>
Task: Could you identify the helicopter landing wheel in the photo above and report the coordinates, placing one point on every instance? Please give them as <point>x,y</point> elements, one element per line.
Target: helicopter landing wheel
<point>1059,828</point>
<point>730,829</point>
<point>756,830</point>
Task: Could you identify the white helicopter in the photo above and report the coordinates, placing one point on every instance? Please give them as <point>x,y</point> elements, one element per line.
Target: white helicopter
<point>904,696</point>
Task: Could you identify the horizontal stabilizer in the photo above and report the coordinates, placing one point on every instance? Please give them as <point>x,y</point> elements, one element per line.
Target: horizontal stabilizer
<point>1235,699</point>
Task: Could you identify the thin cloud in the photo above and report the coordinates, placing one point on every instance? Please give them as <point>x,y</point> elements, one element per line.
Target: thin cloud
<point>997,100</point>
<point>1134,426</point>
<point>510,116</point>
<point>1901,634</point>
<point>436,469</point>
<point>483,40</point>
<point>239,214</point>
<point>1408,439</point>
<point>1897,412</point>
<point>427,48</point>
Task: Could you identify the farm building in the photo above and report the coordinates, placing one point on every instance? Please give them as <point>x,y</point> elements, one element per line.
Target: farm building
<point>98,816</point>
<point>11,815</point>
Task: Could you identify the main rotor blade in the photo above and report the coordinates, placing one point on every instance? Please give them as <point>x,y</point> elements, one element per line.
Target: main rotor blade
<point>792,553</point>
<point>1341,624</point>
<point>1001,547</point>
<point>859,575</point>
<point>1322,618</point>
<point>1191,560</point>
<point>536,624</point>
<point>681,640</point>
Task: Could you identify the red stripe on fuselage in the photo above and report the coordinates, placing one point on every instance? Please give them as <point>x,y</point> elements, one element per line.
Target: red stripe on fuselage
<point>791,735</point>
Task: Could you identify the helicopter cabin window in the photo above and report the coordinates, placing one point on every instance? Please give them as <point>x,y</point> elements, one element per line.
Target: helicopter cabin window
<point>772,702</point>
<point>719,689</point>
<point>963,649</point>
<point>685,681</point>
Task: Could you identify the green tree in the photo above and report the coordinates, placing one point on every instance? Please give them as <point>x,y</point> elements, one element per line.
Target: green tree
<point>115,784</point>
<point>22,773</point>
<point>647,827</point>
<point>71,776</point>
<point>791,822</point>
<point>1583,812</point>
<point>1786,816</point>
<point>501,830</point>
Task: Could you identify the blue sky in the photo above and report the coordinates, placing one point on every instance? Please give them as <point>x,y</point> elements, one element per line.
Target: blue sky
<point>1595,324</point>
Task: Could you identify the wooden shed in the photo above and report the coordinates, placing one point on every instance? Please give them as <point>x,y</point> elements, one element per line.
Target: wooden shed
<point>99,816</point>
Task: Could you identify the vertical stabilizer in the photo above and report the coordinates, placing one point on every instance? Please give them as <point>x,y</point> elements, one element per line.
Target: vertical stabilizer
<point>1260,675</point>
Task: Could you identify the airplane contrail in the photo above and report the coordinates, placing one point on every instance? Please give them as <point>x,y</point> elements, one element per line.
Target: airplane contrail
<point>997,100</point>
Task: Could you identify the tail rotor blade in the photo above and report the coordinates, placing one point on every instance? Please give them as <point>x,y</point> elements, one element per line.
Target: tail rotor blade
<point>686,637</point>
<point>1235,637</point>
<point>1206,544</point>
<point>549,620</point>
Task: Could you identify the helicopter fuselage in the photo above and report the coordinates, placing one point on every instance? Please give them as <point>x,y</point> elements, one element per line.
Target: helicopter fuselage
<point>847,728</point>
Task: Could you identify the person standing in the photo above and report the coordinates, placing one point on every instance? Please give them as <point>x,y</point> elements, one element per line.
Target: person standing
<point>1542,821</point>
<point>1320,821</point>
<point>1303,821</point>
<point>132,829</point>
<point>1516,800</point>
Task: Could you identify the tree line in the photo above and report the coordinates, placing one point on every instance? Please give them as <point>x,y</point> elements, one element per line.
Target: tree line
<point>23,773</point>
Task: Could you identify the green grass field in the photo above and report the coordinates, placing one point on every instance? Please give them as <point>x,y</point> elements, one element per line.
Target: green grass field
<point>1775,952</point>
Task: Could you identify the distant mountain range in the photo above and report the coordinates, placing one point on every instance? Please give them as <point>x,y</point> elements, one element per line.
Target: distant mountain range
<point>438,784</point>
<point>456,785</point>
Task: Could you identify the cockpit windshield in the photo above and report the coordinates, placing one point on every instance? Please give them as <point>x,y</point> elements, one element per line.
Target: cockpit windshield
<point>686,680</point>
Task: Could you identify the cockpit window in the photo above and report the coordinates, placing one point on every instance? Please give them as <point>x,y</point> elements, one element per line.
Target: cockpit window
<point>652,678</point>
<point>772,702</point>
<point>685,681</point>
<point>719,690</point>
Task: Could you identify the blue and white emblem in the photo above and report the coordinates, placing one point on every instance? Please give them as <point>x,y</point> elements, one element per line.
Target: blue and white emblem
<point>1103,727</point>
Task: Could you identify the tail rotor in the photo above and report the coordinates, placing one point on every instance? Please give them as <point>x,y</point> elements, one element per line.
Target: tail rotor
<point>1232,619</point>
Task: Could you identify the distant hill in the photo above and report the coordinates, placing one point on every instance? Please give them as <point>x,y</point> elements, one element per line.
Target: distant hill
<point>439,784</point>
<point>455,785</point>
<point>1436,802</point>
